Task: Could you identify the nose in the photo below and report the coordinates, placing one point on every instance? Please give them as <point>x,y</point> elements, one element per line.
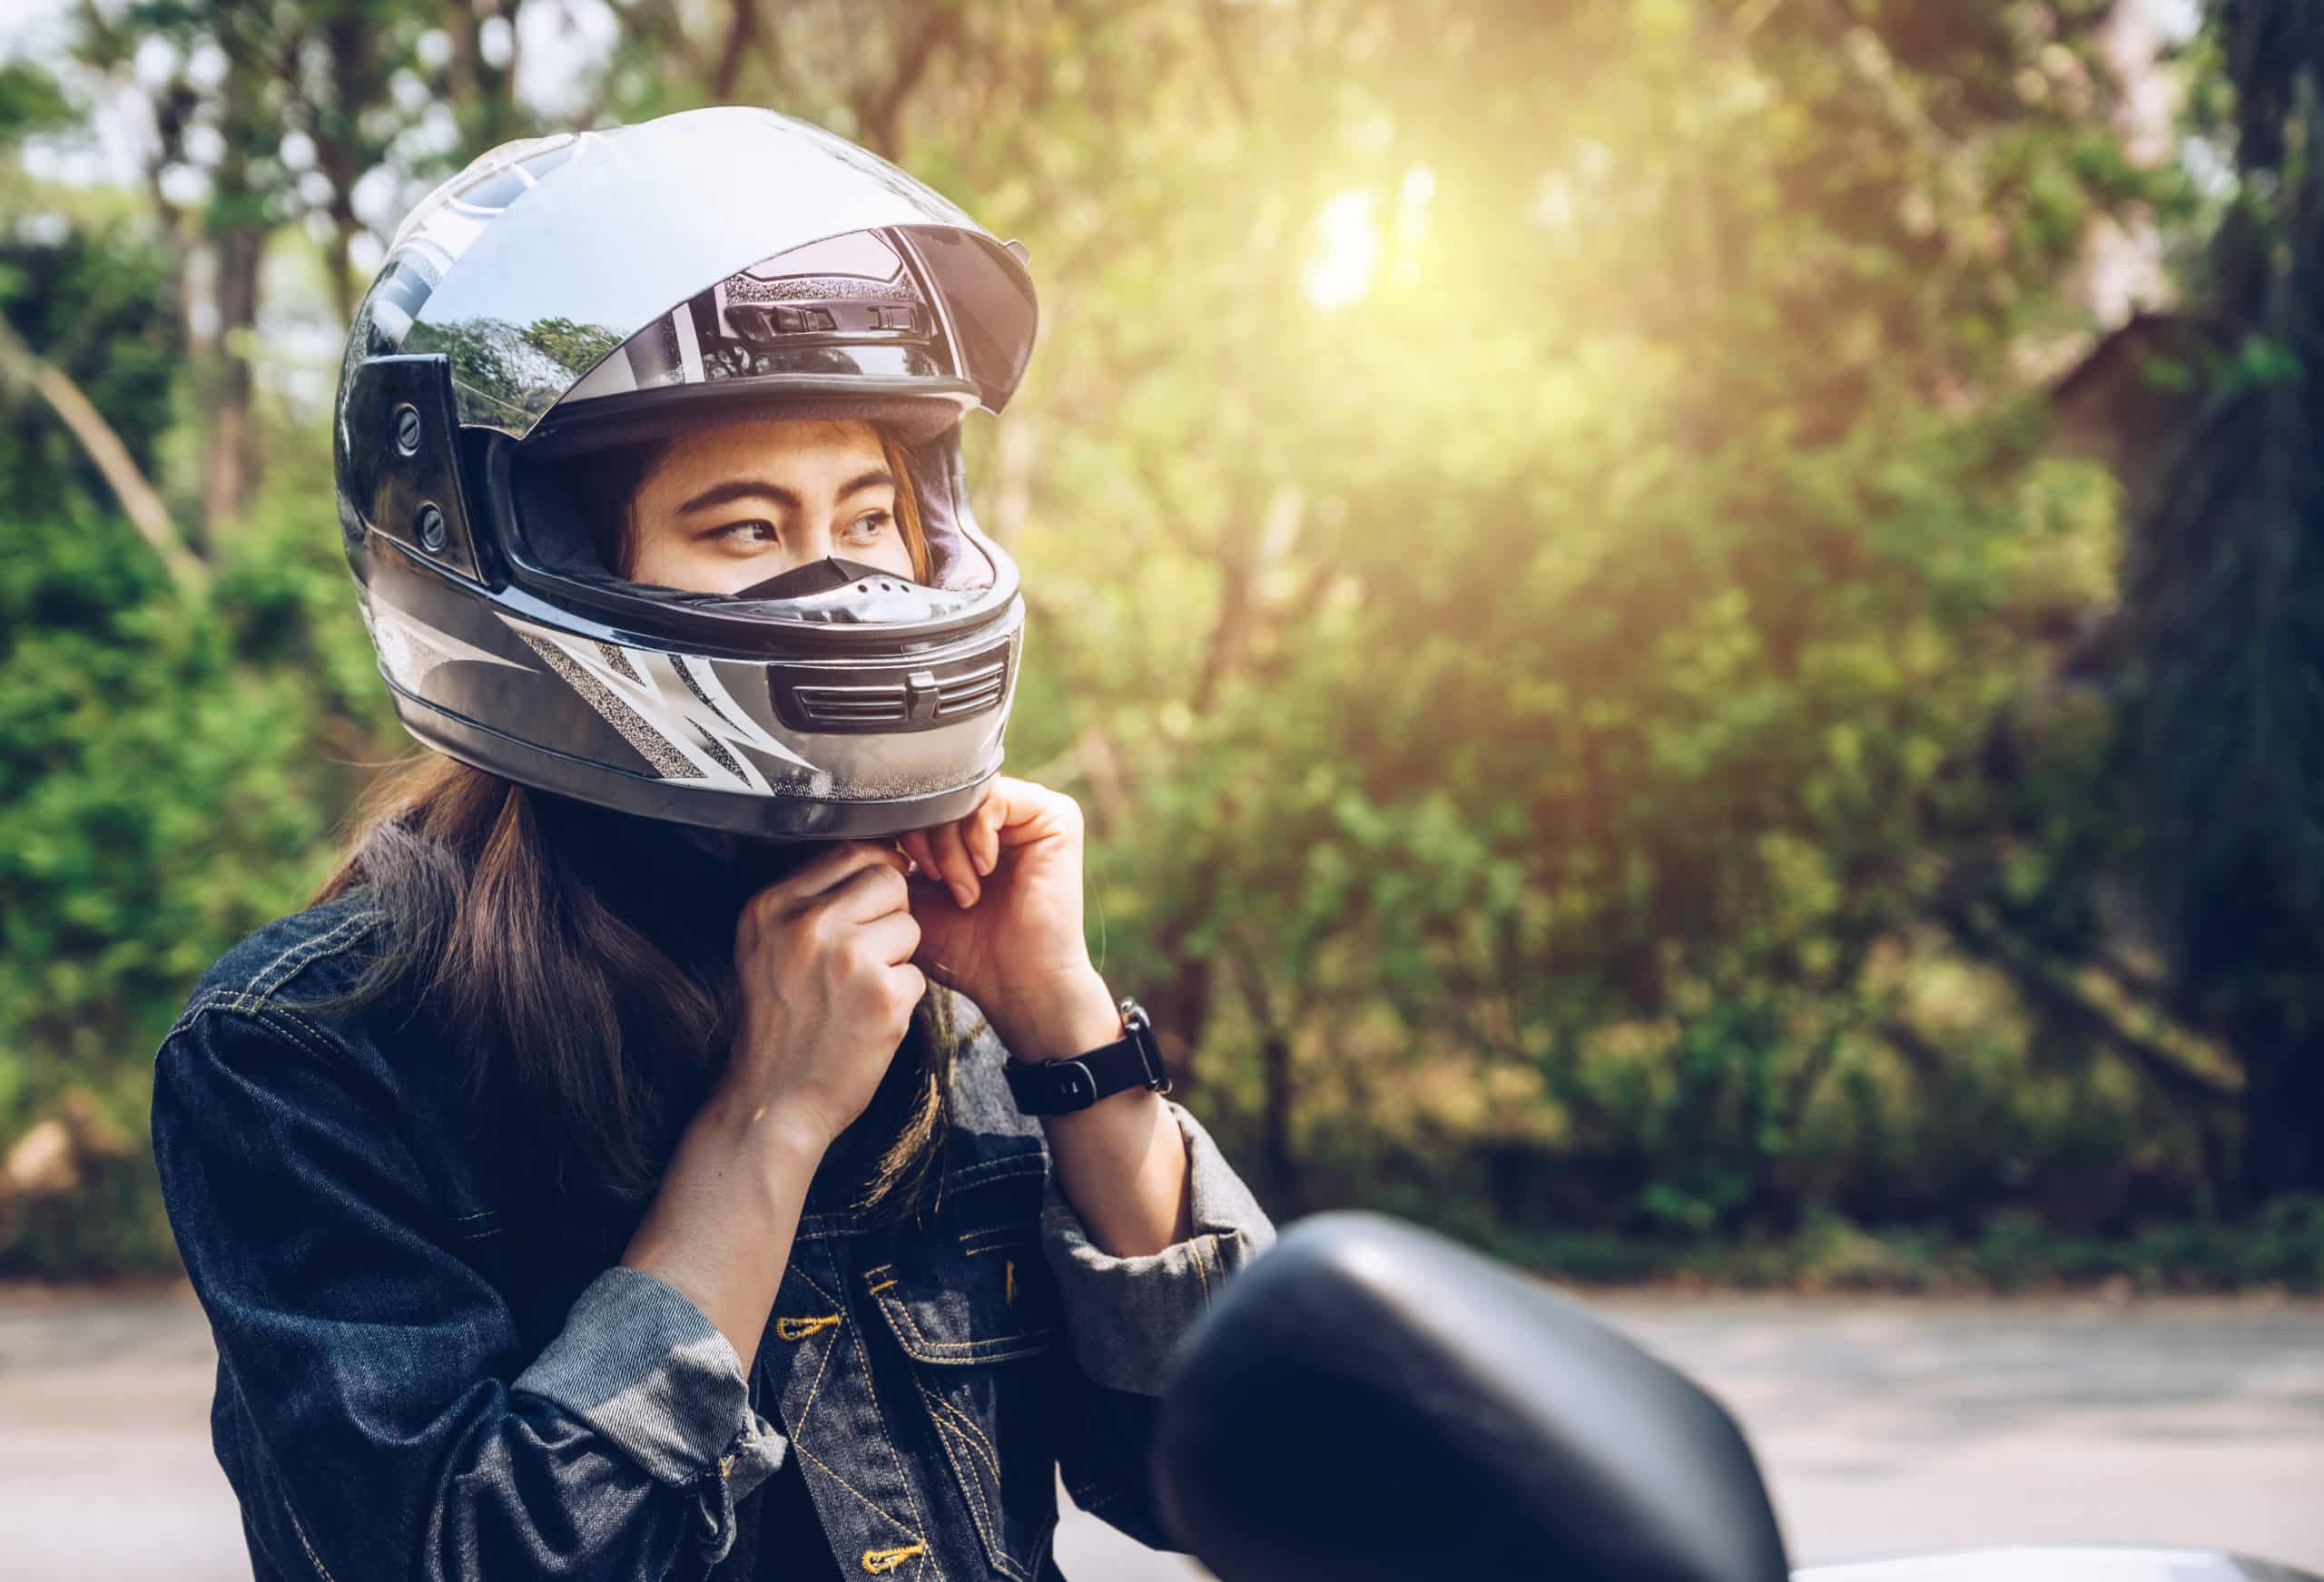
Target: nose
<point>813,543</point>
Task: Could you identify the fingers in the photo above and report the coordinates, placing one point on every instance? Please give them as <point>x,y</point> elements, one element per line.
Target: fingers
<point>952,862</point>
<point>893,939</point>
<point>960,853</point>
<point>1024,813</point>
<point>827,871</point>
<point>915,845</point>
<point>874,890</point>
<point>983,836</point>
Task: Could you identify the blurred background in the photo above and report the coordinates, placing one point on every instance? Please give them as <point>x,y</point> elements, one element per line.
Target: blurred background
<point>1689,629</point>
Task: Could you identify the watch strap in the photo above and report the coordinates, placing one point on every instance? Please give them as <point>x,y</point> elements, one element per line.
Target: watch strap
<point>1057,1088</point>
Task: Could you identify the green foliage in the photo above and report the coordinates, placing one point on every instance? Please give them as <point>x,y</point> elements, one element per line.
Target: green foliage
<point>2224,587</point>
<point>31,101</point>
<point>1547,571</point>
<point>167,772</point>
<point>2283,1249</point>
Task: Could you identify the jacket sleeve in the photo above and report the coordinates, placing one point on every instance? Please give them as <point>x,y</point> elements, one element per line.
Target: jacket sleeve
<point>1124,1319</point>
<point>394,1429</point>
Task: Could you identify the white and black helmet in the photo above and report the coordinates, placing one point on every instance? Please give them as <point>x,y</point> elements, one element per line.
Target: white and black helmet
<point>569,294</point>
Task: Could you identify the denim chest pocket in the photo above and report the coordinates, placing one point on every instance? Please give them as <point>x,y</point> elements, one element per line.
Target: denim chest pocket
<point>973,1304</point>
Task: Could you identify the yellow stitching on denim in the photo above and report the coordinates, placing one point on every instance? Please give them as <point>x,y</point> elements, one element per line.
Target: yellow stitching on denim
<point>883,1514</point>
<point>883,1285</point>
<point>995,1546</point>
<point>966,1426</point>
<point>1044,1335</point>
<point>998,1247</point>
<point>879,1560</point>
<point>1194,1249</point>
<point>1011,1287</point>
<point>987,1517</point>
<point>967,1481</point>
<point>1024,1162</point>
<point>810,1405</point>
<point>799,1328</point>
<point>873,1273</point>
<point>864,1359</point>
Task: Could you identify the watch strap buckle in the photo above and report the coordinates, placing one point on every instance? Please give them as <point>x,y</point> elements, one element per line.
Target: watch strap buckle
<point>1062,1087</point>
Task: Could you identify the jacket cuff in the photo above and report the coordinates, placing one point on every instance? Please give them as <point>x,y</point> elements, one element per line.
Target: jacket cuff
<point>641,1364</point>
<point>1124,1317</point>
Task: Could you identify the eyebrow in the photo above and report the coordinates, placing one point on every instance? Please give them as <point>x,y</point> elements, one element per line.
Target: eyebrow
<point>759,490</point>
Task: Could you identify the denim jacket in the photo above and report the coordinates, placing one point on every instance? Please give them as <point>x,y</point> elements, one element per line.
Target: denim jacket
<point>421,1377</point>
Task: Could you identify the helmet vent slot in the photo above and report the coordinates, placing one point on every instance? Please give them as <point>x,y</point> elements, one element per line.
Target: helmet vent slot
<point>972,691</point>
<point>918,697</point>
<point>856,706</point>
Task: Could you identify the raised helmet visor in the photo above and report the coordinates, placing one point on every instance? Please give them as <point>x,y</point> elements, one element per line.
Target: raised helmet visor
<point>649,216</point>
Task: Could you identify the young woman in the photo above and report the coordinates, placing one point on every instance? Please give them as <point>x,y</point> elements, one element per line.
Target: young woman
<point>688,1135</point>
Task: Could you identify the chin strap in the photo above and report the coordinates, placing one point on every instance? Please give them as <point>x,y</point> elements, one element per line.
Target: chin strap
<point>759,862</point>
<point>719,843</point>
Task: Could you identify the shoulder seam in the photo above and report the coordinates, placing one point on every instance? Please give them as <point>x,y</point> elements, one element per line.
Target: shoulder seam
<point>298,957</point>
<point>287,1020</point>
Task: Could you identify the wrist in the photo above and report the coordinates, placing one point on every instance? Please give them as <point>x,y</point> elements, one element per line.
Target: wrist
<point>1068,1017</point>
<point>785,1140</point>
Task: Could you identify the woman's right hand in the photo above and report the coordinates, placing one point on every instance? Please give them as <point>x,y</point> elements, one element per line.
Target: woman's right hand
<point>823,960</point>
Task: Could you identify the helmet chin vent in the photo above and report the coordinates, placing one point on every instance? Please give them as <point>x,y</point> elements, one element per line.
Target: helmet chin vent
<point>850,708</point>
<point>899,698</point>
<point>973,692</point>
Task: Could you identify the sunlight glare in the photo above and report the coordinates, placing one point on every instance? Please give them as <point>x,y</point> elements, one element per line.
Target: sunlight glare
<point>1341,272</point>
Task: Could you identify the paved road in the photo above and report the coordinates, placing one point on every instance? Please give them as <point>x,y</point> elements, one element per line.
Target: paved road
<point>1884,1425</point>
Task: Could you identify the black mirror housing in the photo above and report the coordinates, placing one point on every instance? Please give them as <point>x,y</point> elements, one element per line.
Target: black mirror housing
<point>1371,1400</point>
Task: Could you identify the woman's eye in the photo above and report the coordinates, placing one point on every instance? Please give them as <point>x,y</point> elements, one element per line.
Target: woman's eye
<point>750,533</point>
<point>868,526</point>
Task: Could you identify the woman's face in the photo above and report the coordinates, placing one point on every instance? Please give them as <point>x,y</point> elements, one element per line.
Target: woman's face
<point>719,511</point>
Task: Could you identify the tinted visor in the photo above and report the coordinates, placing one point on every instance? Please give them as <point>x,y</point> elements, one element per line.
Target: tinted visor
<point>540,259</point>
<point>851,307</point>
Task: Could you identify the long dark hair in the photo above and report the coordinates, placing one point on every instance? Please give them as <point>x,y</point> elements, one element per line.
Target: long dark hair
<point>582,961</point>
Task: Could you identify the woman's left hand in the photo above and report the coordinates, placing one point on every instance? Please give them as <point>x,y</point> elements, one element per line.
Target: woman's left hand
<point>997,898</point>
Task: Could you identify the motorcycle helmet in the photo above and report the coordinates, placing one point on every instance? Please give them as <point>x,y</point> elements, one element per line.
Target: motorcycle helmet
<point>569,298</point>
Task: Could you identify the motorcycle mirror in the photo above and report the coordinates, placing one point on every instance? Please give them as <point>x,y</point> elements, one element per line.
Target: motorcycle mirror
<point>1371,1400</point>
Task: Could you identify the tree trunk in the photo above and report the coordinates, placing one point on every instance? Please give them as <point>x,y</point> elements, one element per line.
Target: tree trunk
<point>1180,1004</point>
<point>1275,1149</point>
<point>2283,1108</point>
<point>140,501</point>
<point>741,35</point>
<point>230,455</point>
<point>340,263</point>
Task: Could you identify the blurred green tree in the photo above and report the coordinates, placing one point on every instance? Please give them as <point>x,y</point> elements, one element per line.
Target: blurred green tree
<point>2225,608</point>
<point>1549,571</point>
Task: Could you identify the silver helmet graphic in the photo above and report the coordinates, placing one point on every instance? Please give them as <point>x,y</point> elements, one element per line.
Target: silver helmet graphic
<point>566,297</point>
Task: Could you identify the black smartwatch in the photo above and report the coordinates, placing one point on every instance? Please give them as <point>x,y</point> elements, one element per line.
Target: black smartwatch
<point>1058,1087</point>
